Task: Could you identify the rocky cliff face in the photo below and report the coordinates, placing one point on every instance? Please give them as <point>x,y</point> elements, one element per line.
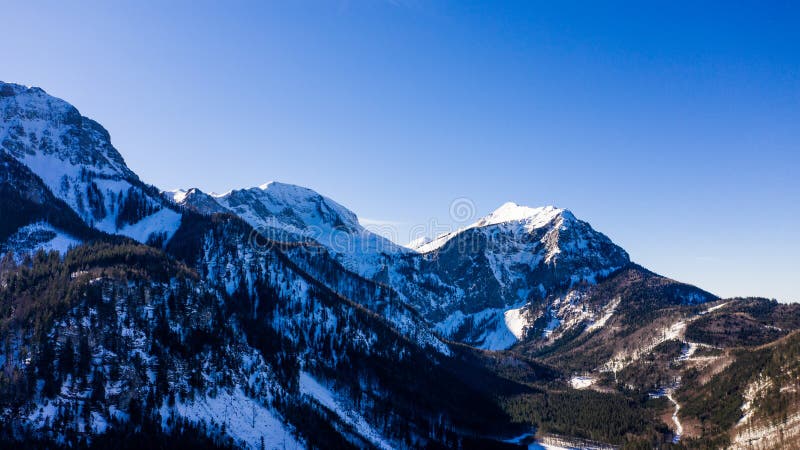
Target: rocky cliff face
<point>74,158</point>
<point>488,283</point>
<point>216,329</point>
<point>289,213</point>
<point>269,317</point>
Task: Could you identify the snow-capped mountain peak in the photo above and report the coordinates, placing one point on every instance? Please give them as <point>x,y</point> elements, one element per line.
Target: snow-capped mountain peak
<point>178,195</point>
<point>287,212</point>
<point>39,128</point>
<point>478,277</point>
<point>512,212</point>
<point>74,158</point>
<point>508,214</point>
<point>289,207</point>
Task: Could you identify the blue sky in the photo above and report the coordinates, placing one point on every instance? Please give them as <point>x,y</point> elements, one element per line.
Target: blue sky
<point>672,127</point>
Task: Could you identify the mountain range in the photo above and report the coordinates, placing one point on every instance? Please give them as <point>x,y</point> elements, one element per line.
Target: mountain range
<point>270,317</point>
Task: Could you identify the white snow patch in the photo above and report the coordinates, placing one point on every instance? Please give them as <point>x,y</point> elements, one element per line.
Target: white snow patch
<point>311,387</point>
<point>498,334</point>
<point>418,243</point>
<point>784,430</point>
<point>516,322</point>
<point>609,312</point>
<point>28,239</point>
<point>688,350</point>
<point>713,308</point>
<point>753,390</point>
<point>551,326</point>
<point>675,331</point>
<point>178,195</point>
<point>499,338</point>
<point>582,381</point>
<point>451,323</point>
<point>542,446</point>
<point>503,327</point>
<point>245,419</point>
<point>164,221</point>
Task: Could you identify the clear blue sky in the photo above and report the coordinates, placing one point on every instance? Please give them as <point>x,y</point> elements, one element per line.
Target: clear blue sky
<point>673,127</point>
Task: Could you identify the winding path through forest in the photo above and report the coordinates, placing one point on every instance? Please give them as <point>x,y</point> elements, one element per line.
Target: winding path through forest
<point>675,418</point>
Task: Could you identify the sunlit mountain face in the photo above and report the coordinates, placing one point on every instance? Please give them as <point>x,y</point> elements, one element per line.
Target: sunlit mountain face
<point>269,317</point>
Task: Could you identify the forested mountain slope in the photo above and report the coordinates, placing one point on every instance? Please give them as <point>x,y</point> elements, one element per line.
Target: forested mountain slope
<point>269,317</point>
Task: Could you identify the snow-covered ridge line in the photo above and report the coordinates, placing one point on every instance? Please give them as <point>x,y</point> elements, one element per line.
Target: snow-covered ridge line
<point>523,246</point>
<point>513,258</point>
<point>509,213</point>
<point>512,212</point>
<point>289,213</point>
<point>520,240</point>
<point>74,158</point>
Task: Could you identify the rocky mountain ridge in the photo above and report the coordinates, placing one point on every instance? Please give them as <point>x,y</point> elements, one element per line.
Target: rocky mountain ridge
<point>269,317</point>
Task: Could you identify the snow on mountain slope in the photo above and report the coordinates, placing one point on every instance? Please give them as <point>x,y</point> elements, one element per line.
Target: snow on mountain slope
<point>471,283</point>
<point>285,212</point>
<point>245,419</point>
<point>418,243</point>
<point>74,158</point>
<point>345,329</point>
<point>122,325</point>
<point>291,208</point>
<point>525,217</point>
<point>324,395</point>
<point>177,195</point>
<point>39,236</point>
<point>31,218</point>
<point>231,261</point>
<point>196,200</point>
<point>491,282</point>
<point>165,221</point>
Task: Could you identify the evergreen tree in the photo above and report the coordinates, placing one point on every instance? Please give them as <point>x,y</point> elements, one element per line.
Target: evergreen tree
<point>66,358</point>
<point>45,369</point>
<point>98,387</point>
